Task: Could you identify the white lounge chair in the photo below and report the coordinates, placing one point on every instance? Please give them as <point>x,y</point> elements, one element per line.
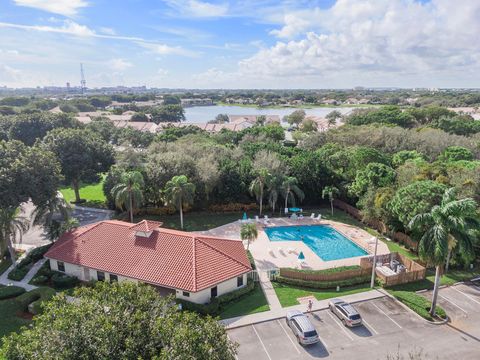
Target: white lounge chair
<point>257,218</point>
<point>265,217</point>
<point>312,216</point>
<point>319,217</point>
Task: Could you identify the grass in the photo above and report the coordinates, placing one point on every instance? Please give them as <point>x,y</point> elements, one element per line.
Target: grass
<point>92,193</point>
<point>10,321</point>
<point>4,265</point>
<point>287,294</point>
<point>251,303</point>
<point>417,303</point>
<point>193,221</point>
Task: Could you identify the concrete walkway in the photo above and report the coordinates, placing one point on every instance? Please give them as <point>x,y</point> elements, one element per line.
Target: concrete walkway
<point>279,313</point>
<point>4,280</point>
<point>269,291</point>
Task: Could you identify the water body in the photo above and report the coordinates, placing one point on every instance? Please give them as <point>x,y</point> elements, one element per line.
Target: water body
<point>202,114</point>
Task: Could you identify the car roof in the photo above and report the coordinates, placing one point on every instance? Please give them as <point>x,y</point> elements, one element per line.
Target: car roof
<point>292,313</point>
<point>337,301</point>
<point>304,323</point>
<point>349,309</point>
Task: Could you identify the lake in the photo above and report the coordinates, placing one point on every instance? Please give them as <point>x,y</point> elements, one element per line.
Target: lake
<point>202,114</point>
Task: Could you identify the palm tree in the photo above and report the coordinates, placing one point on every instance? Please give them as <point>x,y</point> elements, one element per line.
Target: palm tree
<point>290,190</point>
<point>331,192</point>
<point>257,186</point>
<point>452,220</point>
<point>332,117</point>
<point>44,214</point>
<point>128,193</point>
<point>248,232</point>
<point>12,227</point>
<point>179,192</point>
<point>274,187</point>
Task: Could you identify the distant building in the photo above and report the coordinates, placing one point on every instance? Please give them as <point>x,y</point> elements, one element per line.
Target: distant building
<point>196,102</point>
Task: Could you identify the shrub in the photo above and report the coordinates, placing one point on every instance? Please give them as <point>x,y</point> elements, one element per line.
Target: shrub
<point>19,273</point>
<point>35,297</point>
<point>39,280</point>
<point>232,207</point>
<point>37,253</point>
<point>27,262</point>
<point>417,303</point>
<point>326,271</point>
<point>7,292</point>
<point>323,284</point>
<point>62,281</point>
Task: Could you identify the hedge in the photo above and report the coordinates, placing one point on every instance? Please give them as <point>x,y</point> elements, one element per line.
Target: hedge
<point>326,271</point>
<point>27,262</point>
<point>7,292</point>
<point>417,303</point>
<point>35,297</point>
<point>215,306</point>
<point>43,275</point>
<point>62,281</point>
<point>18,273</point>
<point>323,284</point>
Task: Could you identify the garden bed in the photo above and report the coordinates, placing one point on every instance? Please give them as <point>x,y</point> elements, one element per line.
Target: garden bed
<point>418,304</point>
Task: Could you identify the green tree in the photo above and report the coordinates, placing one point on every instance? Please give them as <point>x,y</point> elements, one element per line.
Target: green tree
<point>451,222</point>
<point>308,125</point>
<point>403,156</point>
<point>179,193</point>
<point>331,192</point>
<point>274,187</point>
<point>455,153</point>
<point>12,227</point>
<point>168,113</point>
<point>45,213</point>
<point>171,99</point>
<point>296,117</point>
<point>257,186</point>
<point>291,190</point>
<point>375,175</point>
<point>119,320</point>
<point>249,233</point>
<point>128,193</point>
<point>82,155</point>
<point>332,117</point>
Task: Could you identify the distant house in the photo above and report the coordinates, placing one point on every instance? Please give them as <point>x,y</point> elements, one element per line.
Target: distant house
<point>197,102</point>
<point>252,119</point>
<point>189,266</point>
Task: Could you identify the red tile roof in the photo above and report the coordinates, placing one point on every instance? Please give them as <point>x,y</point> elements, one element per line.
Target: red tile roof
<point>146,225</point>
<point>169,258</point>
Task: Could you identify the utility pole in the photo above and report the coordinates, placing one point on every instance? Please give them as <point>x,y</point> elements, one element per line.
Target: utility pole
<point>83,82</point>
<point>374,263</point>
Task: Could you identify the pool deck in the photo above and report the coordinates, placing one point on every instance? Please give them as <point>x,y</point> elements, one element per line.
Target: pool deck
<point>269,255</point>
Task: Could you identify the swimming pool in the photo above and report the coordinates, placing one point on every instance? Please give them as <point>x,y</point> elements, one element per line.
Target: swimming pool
<point>323,240</point>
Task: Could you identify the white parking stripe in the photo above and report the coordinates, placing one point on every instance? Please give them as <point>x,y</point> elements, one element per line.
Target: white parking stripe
<point>340,325</point>
<point>369,326</point>
<point>261,342</point>
<point>468,296</point>
<point>236,357</point>
<point>451,302</point>
<point>384,313</point>
<point>289,338</point>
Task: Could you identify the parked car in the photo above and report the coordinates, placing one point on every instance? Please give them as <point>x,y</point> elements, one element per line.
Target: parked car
<point>302,328</point>
<point>345,312</point>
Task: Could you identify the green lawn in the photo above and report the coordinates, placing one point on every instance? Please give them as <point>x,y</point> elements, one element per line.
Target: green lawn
<point>251,303</point>
<point>288,294</point>
<point>92,193</point>
<point>194,221</point>
<point>4,265</point>
<point>10,322</point>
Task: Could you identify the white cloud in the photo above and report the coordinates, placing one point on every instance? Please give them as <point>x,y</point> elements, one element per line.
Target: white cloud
<point>163,49</point>
<point>69,27</point>
<point>9,75</point>
<point>62,7</point>
<point>119,64</point>
<point>197,8</point>
<point>107,30</point>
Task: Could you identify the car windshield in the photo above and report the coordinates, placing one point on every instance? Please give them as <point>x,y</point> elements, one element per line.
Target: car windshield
<point>310,333</point>
<point>355,317</point>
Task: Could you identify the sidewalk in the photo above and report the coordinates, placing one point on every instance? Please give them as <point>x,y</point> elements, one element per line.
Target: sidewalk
<point>269,291</point>
<point>4,280</point>
<point>278,313</point>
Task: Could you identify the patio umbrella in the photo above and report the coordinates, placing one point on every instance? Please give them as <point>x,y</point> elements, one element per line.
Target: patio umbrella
<point>301,256</point>
<point>244,216</point>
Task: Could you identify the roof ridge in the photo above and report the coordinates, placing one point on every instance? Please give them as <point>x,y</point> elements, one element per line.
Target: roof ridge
<point>78,236</point>
<point>194,264</point>
<point>220,251</point>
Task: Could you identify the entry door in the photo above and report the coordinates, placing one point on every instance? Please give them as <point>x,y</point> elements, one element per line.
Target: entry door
<point>86,274</point>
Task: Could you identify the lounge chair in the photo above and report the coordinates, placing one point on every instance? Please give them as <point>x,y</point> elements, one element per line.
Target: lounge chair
<point>265,217</point>
<point>319,217</point>
<point>257,218</point>
<point>312,216</point>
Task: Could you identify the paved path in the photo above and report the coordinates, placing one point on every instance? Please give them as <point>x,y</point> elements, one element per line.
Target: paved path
<point>4,280</point>
<point>269,291</point>
<point>279,313</point>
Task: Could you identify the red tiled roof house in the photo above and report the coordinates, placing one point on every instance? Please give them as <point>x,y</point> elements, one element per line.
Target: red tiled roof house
<point>191,266</point>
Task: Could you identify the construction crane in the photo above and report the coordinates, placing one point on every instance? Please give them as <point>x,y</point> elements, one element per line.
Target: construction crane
<point>83,82</point>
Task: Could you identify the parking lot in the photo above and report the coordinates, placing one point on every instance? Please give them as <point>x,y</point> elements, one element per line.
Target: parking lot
<point>388,328</point>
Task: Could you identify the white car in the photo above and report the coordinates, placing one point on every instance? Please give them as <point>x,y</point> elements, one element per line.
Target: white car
<point>302,328</point>
<point>345,312</point>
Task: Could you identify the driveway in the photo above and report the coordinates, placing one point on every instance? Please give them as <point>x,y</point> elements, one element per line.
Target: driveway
<point>388,328</point>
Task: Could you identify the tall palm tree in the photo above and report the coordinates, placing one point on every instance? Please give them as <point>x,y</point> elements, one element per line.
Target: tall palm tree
<point>331,192</point>
<point>274,188</point>
<point>290,190</point>
<point>44,214</point>
<point>128,194</point>
<point>179,192</point>
<point>12,227</point>
<point>249,233</point>
<point>257,186</point>
<point>452,220</point>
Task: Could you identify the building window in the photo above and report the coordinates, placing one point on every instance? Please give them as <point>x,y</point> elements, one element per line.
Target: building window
<point>213,292</point>
<point>113,277</point>
<point>239,281</point>
<point>186,294</point>
<point>100,276</point>
<point>60,266</point>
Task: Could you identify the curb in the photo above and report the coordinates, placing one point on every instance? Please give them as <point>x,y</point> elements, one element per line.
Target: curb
<point>105,211</point>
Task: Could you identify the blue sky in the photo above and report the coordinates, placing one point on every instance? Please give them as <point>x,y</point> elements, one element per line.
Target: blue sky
<point>241,44</point>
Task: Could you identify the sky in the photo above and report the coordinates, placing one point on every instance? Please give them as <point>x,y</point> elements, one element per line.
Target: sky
<point>241,44</point>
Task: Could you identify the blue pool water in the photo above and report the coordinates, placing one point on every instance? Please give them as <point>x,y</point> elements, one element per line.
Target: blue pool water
<point>324,240</point>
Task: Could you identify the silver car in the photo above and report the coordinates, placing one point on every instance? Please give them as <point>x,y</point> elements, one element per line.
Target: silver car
<point>302,328</point>
<point>345,312</point>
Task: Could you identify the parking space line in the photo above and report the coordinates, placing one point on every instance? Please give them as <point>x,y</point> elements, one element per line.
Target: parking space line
<point>261,342</point>
<point>451,302</point>
<point>468,296</point>
<point>369,326</point>
<point>228,337</point>
<point>384,313</point>
<point>340,325</point>
<point>289,338</point>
